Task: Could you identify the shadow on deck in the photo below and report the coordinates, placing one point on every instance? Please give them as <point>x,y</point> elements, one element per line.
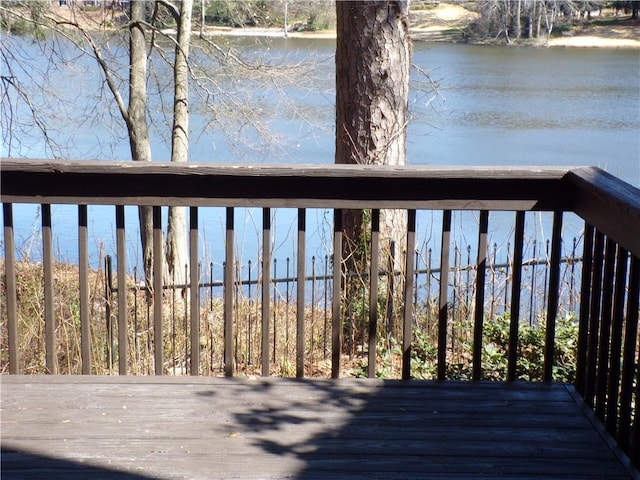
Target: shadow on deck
<point>145,427</point>
<point>21,464</point>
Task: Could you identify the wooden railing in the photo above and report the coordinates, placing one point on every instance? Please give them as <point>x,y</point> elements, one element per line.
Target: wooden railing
<point>607,365</point>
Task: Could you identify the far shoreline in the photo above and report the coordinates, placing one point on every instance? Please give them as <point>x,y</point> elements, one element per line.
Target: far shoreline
<point>576,41</point>
<point>446,23</point>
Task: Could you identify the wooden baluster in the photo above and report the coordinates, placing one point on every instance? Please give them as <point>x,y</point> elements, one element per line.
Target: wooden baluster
<point>122,290</point>
<point>374,276</point>
<point>83,280</point>
<point>302,217</point>
<point>407,329</point>
<point>194,293</point>
<point>617,321</point>
<point>594,319</point>
<point>553,296</point>
<point>629,355</point>
<point>10,278</point>
<point>444,294</point>
<point>516,285</point>
<point>605,329</point>
<point>336,314</point>
<point>49,314</point>
<point>479,301</point>
<point>229,282</point>
<point>158,259</point>
<point>266,284</point>
<point>634,448</point>
<point>585,301</point>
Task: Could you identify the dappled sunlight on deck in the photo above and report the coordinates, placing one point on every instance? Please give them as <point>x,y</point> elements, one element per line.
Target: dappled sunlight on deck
<point>221,428</point>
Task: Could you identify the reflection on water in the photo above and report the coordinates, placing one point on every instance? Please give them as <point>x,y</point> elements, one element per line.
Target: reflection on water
<point>531,106</point>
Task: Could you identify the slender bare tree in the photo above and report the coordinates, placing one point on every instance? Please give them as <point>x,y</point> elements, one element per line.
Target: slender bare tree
<point>177,227</point>
<point>150,50</point>
<point>135,116</point>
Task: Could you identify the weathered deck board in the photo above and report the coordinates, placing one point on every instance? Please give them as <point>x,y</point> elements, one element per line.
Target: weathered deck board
<point>202,427</point>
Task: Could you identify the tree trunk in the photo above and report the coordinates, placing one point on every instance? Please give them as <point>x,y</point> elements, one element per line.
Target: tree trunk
<point>372,82</point>
<point>203,14</point>
<point>286,19</point>
<point>137,121</point>
<point>177,226</point>
<point>518,20</point>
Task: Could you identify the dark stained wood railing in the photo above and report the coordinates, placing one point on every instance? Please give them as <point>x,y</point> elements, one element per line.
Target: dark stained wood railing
<point>607,363</point>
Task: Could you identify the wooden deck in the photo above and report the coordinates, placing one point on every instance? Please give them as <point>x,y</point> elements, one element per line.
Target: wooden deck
<point>203,427</point>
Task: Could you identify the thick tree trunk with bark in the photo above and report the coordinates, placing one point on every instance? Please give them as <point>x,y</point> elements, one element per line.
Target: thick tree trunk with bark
<point>372,82</point>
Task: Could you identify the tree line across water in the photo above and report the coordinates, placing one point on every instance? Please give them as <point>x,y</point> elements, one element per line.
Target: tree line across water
<point>503,20</point>
<point>509,19</point>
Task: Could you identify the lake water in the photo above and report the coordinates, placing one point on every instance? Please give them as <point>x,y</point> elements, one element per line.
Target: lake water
<point>492,106</point>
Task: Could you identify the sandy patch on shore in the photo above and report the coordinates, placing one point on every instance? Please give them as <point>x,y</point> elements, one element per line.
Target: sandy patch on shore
<point>625,34</point>
<point>588,41</point>
<point>266,32</point>
<point>444,23</point>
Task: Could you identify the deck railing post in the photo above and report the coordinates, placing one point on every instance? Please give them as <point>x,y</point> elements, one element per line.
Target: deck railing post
<point>122,290</point>
<point>83,280</point>
<point>553,296</point>
<point>407,329</point>
<point>336,307</point>
<point>266,285</point>
<point>49,314</point>
<point>229,282</point>
<point>443,298</point>
<point>374,276</point>
<point>516,282</point>
<point>479,301</point>
<point>585,301</point>
<point>634,442</point>
<point>158,259</point>
<point>194,292</point>
<point>300,303</point>
<point>617,321</point>
<point>594,318</point>
<point>10,281</point>
<point>629,355</point>
<point>605,329</point>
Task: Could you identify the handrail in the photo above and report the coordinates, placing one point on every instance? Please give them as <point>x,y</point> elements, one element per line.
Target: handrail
<point>607,203</point>
<point>598,197</point>
<point>300,186</point>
